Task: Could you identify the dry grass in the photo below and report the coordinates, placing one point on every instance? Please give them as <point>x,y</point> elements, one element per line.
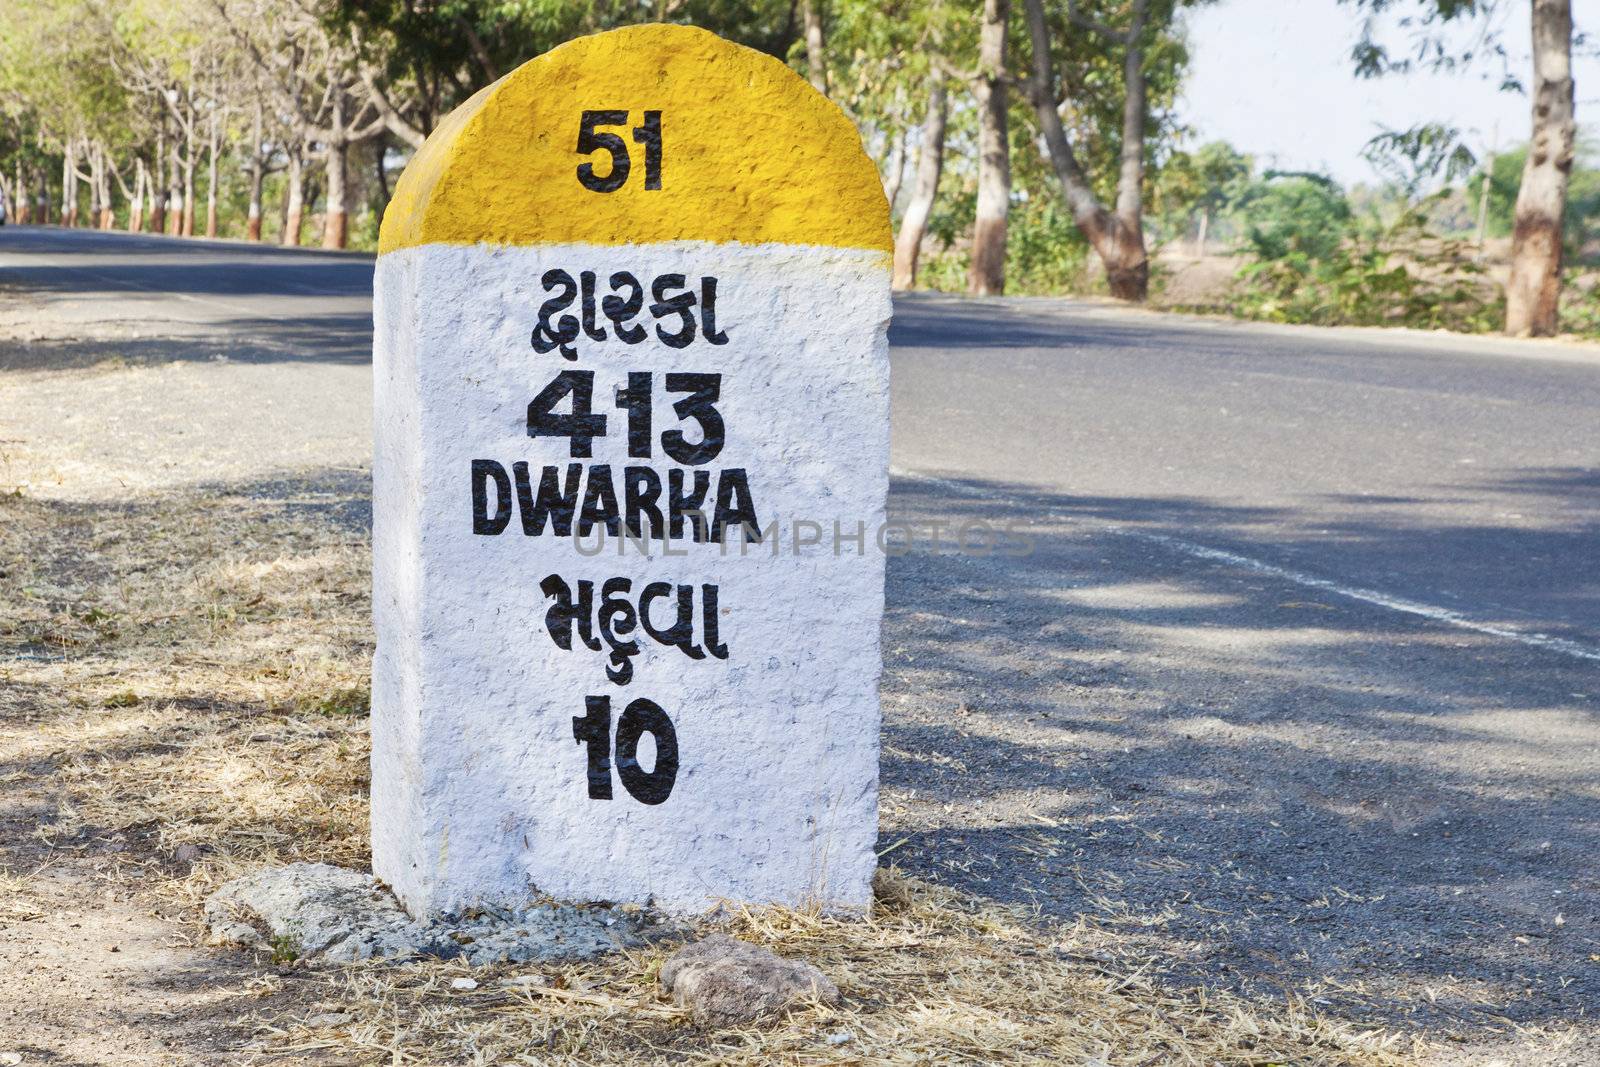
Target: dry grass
<point>190,670</point>
<point>928,978</point>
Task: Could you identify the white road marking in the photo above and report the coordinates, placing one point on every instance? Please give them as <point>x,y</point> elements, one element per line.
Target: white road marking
<point>1375,597</point>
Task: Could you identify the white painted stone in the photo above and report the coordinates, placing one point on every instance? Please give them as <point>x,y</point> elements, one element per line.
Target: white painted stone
<point>479,788</point>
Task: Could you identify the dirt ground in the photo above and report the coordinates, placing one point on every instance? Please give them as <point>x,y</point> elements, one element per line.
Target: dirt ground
<point>183,658</point>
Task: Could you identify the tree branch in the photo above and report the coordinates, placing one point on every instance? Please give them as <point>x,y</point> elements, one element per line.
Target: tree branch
<point>1084,22</point>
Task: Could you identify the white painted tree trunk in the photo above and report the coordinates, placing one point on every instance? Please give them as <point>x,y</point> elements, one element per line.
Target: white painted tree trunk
<point>191,153</point>
<point>257,176</point>
<point>136,205</point>
<point>335,220</point>
<point>294,199</point>
<point>69,187</point>
<point>211,181</point>
<point>930,165</point>
<point>174,194</point>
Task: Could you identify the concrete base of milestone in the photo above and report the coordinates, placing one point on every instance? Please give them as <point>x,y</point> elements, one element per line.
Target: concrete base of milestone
<point>313,910</point>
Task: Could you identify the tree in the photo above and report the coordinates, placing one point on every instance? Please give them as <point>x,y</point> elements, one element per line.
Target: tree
<point>1116,233</point>
<point>930,166</point>
<point>1207,182</point>
<point>986,274</point>
<point>1497,190</point>
<point>1413,160</point>
<point>1533,294</point>
<point>816,61</point>
<point>316,76</point>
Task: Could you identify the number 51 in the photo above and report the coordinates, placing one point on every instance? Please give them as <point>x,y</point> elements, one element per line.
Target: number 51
<point>591,140</point>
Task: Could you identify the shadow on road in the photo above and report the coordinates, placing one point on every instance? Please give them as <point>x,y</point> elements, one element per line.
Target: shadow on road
<point>1274,788</point>
<point>331,338</point>
<point>81,298</point>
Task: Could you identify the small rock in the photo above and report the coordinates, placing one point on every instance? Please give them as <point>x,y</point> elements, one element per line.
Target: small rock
<point>724,981</point>
<point>465,984</point>
<point>9,1058</point>
<point>344,915</point>
<point>332,1018</point>
<point>524,981</point>
<point>241,935</point>
<point>187,853</point>
<point>838,1037</point>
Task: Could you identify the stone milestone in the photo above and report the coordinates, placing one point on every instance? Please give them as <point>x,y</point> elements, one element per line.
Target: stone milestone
<point>631,459</point>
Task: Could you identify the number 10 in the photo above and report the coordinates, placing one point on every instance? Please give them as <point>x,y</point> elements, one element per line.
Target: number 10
<point>593,730</point>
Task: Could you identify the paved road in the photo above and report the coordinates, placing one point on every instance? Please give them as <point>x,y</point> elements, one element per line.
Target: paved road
<point>1301,681</point>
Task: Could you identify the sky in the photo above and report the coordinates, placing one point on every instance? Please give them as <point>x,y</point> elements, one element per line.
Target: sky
<point>1274,78</point>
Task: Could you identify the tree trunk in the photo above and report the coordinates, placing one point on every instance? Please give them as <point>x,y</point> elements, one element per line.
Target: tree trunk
<point>136,205</point>
<point>816,59</point>
<point>152,192</point>
<point>257,175</point>
<point>1533,295</point>
<point>43,198</point>
<point>24,212</point>
<point>897,170</point>
<point>69,189</point>
<point>1116,237</point>
<point>174,194</point>
<point>1128,273</point>
<point>1483,204</point>
<point>108,217</point>
<point>211,181</point>
<point>380,149</point>
<point>189,157</point>
<point>986,274</point>
<point>335,219</point>
<point>158,199</point>
<point>93,178</point>
<point>930,164</point>
<point>294,198</point>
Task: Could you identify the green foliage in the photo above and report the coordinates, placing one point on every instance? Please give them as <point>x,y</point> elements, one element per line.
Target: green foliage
<point>285,949</point>
<point>1431,46</point>
<point>1415,159</point>
<point>1580,305</point>
<point>1505,178</point>
<point>1045,253</point>
<point>1582,224</point>
<point>1091,79</point>
<point>1313,260</point>
<point>1215,178</point>
<point>1295,217</point>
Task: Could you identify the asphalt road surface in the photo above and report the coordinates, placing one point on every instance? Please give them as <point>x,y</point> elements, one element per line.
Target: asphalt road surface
<point>1300,680</point>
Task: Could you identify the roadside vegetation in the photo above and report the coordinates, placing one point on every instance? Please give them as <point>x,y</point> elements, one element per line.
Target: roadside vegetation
<point>1428,249</point>
<point>1027,146</point>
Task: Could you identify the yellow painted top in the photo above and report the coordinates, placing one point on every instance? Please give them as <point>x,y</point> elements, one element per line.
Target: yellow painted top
<point>749,152</point>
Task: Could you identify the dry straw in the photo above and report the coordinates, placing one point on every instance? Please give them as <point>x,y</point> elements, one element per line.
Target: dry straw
<point>190,670</point>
